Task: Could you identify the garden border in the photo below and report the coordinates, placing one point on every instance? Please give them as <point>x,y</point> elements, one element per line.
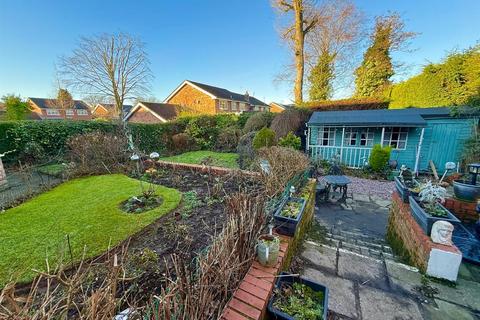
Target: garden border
<point>205,168</point>
<point>250,300</point>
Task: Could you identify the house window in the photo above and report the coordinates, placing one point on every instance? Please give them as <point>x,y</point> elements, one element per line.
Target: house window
<point>69,112</point>
<point>229,104</point>
<point>53,112</point>
<point>366,138</point>
<point>82,112</point>
<point>326,136</point>
<point>396,137</point>
<point>350,137</point>
<point>222,104</point>
<point>237,106</point>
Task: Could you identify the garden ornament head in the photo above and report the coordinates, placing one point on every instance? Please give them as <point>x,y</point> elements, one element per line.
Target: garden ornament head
<point>442,232</point>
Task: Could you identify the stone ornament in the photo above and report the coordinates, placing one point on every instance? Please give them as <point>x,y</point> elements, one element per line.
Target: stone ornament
<point>442,232</point>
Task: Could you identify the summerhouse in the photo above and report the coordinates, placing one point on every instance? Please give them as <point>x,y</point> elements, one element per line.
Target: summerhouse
<point>416,135</point>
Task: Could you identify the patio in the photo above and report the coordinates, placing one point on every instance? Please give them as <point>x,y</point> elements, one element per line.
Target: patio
<point>365,280</point>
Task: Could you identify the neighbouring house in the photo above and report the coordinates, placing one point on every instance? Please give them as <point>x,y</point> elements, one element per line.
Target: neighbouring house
<point>51,109</point>
<point>152,112</point>
<point>280,107</point>
<point>107,111</point>
<point>205,99</point>
<point>416,135</point>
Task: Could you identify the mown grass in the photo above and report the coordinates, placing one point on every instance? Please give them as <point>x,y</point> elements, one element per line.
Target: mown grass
<point>227,160</point>
<point>85,209</point>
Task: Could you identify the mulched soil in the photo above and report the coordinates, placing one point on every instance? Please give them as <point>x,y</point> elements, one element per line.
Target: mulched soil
<point>186,236</point>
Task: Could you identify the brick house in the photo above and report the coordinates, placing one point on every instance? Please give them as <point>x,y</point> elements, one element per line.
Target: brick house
<point>51,109</point>
<point>152,112</point>
<point>205,99</point>
<point>107,111</point>
<point>279,107</point>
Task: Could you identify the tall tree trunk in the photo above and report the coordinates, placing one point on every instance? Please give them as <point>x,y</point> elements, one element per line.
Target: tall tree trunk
<point>299,57</point>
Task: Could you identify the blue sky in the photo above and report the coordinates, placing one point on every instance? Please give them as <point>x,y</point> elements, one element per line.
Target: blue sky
<point>232,44</point>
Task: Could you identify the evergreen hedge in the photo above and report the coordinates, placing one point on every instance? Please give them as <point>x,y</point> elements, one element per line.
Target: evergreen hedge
<point>52,135</point>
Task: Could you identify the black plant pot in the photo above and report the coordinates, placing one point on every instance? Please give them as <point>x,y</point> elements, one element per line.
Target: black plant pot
<point>403,190</point>
<point>285,225</point>
<point>425,220</point>
<point>465,191</point>
<point>286,279</point>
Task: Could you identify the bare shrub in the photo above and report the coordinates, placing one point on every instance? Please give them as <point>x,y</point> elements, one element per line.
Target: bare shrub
<point>98,153</point>
<point>246,153</point>
<point>203,291</point>
<point>287,121</point>
<point>285,163</point>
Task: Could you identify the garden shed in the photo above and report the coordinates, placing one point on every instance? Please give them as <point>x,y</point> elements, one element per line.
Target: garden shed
<point>416,135</point>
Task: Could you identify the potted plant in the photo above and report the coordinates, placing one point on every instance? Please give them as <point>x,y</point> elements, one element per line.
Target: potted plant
<point>428,209</point>
<point>288,215</point>
<point>468,190</point>
<point>298,298</point>
<point>268,247</point>
<point>406,185</point>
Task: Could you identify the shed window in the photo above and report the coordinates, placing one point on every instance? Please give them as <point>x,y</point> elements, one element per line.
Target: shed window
<point>350,137</point>
<point>326,136</point>
<point>366,138</point>
<point>396,137</point>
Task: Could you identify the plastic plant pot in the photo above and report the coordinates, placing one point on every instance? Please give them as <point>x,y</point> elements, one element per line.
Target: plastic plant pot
<point>425,220</point>
<point>286,225</point>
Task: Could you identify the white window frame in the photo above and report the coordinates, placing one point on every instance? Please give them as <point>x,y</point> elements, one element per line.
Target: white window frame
<point>69,112</point>
<point>388,137</point>
<point>222,104</point>
<point>369,138</point>
<point>53,112</point>
<point>82,112</point>
<point>350,134</point>
<point>330,140</point>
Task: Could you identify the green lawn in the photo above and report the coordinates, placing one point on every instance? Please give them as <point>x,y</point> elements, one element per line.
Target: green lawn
<point>86,209</point>
<point>228,160</point>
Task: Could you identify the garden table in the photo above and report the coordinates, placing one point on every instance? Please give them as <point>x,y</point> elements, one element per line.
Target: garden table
<point>335,182</point>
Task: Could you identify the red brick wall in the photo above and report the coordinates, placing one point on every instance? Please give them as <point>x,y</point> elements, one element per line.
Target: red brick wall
<point>142,115</point>
<point>195,100</point>
<point>465,211</point>
<point>402,228</point>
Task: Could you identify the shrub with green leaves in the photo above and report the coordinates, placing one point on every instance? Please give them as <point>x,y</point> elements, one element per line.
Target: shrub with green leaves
<point>264,138</point>
<point>379,157</point>
<point>227,139</point>
<point>257,121</point>
<point>290,141</point>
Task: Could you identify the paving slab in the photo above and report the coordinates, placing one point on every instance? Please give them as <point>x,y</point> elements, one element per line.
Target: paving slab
<point>322,257</point>
<point>446,311</point>
<point>341,298</point>
<point>403,279</point>
<point>466,293</point>
<point>377,304</point>
<point>362,269</point>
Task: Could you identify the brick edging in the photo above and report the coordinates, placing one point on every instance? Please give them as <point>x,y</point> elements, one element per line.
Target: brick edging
<point>205,168</point>
<point>249,301</point>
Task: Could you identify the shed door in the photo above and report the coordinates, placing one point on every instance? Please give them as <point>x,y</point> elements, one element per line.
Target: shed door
<point>444,144</point>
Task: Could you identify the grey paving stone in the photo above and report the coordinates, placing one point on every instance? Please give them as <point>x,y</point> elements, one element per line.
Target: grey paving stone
<point>366,271</point>
<point>403,278</point>
<point>341,297</point>
<point>466,293</point>
<point>377,304</point>
<point>446,311</point>
<point>323,257</point>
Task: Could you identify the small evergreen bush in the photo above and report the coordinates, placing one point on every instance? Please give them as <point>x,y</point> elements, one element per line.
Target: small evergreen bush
<point>290,141</point>
<point>227,139</point>
<point>264,138</point>
<point>257,121</point>
<point>379,157</point>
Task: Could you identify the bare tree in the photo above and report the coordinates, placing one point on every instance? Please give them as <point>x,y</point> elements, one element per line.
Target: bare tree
<point>304,19</point>
<point>112,65</point>
<point>338,34</point>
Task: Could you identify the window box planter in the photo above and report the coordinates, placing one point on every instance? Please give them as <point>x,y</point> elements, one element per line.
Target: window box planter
<point>425,220</point>
<point>285,222</point>
<point>286,280</point>
<point>403,190</point>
